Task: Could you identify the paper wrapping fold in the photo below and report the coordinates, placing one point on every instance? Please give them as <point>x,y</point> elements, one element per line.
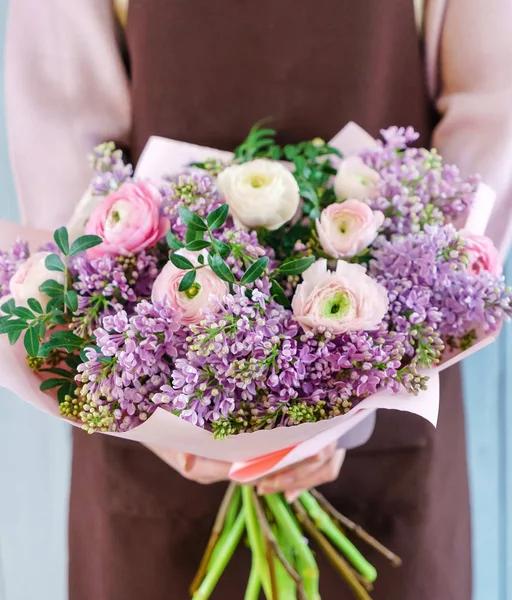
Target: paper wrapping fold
<point>261,452</point>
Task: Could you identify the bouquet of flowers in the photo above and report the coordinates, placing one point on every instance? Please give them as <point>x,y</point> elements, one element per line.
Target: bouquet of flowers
<point>223,304</point>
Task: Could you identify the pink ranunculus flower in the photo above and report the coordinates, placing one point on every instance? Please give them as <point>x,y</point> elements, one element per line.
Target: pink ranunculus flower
<point>201,295</point>
<point>482,253</point>
<point>128,220</point>
<point>27,280</point>
<point>343,300</point>
<point>347,228</point>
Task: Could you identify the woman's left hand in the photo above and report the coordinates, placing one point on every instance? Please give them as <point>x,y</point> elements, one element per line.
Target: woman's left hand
<point>322,468</point>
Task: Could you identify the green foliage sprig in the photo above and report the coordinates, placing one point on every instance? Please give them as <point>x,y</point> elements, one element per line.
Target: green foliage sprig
<point>44,343</point>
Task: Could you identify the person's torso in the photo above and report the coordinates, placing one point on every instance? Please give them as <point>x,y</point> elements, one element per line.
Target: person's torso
<point>205,72</point>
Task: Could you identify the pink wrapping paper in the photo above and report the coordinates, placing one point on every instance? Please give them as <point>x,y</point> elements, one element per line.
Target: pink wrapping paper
<point>252,454</point>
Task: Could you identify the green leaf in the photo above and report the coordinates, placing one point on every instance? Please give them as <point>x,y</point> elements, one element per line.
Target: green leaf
<point>31,341</point>
<point>72,362</point>
<point>71,300</point>
<point>200,259</point>
<point>220,268</point>
<point>66,340</point>
<point>173,242</point>
<point>278,294</point>
<point>297,266</point>
<point>8,307</point>
<point>55,304</point>
<point>180,262</point>
<point>52,288</point>
<point>83,243</point>
<point>217,217</point>
<point>197,245</point>
<point>61,238</point>
<point>49,384</point>
<point>192,220</point>
<point>13,325</point>
<point>14,336</point>
<point>223,249</point>
<point>53,262</point>
<point>187,281</point>
<point>23,313</point>
<point>255,270</point>
<point>35,305</point>
<point>192,236</point>
<point>57,371</point>
<point>59,319</point>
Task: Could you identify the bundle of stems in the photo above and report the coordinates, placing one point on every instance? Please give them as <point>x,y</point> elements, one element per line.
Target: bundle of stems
<point>283,563</point>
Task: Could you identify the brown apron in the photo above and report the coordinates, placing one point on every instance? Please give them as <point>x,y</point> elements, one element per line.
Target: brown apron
<point>204,72</point>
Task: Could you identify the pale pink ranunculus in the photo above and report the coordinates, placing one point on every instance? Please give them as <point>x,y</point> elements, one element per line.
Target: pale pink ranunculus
<point>27,280</point>
<point>482,253</point>
<point>128,220</point>
<point>201,295</point>
<point>347,228</point>
<point>343,300</point>
<point>355,179</point>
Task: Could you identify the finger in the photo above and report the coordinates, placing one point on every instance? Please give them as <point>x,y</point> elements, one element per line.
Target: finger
<point>293,495</point>
<point>205,471</point>
<point>287,478</point>
<point>194,468</point>
<point>325,473</point>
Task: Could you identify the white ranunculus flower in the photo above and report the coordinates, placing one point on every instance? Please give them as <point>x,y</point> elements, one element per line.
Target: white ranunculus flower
<point>260,193</point>
<point>82,212</point>
<point>355,180</point>
<point>26,282</point>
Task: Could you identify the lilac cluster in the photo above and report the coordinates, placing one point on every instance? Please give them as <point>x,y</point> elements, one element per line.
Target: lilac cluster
<point>415,187</point>
<point>431,292</point>
<point>131,362</point>
<point>110,170</point>
<point>245,247</point>
<point>10,260</point>
<point>248,366</point>
<point>195,191</point>
<point>109,282</point>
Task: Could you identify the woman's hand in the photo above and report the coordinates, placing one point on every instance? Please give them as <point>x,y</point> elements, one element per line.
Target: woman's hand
<point>322,468</point>
<point>195,468</point>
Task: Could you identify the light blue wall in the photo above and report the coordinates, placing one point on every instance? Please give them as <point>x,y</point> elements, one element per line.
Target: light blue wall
<point>35,458</point>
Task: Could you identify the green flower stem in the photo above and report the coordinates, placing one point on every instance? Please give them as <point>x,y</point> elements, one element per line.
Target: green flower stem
<point>252,591</point>
<point>278,555</point>
<point>231,515</point>
<point>218,529</point>
<point>325,524</point>
<point>217,567</point>
<point>255,540</point>
<point>234,507</point>
<point>305,560</point>
<point>339,563</point>
<point>287,587</point>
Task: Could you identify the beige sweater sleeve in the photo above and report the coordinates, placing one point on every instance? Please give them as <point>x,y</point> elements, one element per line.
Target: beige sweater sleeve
<point>469,66</point>
<point>66,91</point>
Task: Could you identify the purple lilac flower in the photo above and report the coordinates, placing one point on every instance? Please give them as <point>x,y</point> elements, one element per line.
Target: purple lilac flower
<point>10,260</point>
<point>195,191</point>
<point>416,188</point>
<point>429,286</point>
<point>110,171</point>
<point>107,283</point>
<point>250,355</point>
<point>132,361</point>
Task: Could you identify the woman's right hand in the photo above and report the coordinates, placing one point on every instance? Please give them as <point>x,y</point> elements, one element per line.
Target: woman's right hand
<point>195,468</point>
